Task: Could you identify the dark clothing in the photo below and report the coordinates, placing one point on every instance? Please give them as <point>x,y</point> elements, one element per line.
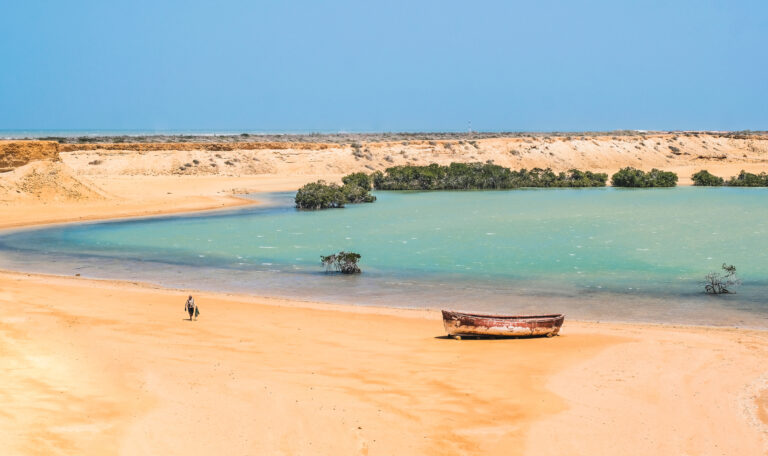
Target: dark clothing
<point>190,307</point>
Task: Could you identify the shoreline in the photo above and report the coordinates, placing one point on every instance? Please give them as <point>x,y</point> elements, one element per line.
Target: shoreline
<point>242,201</point>
<point>308,303</point>
<point>232,202</point>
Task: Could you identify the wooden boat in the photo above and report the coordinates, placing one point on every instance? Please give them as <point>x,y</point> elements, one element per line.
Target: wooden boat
<point>458,324</point>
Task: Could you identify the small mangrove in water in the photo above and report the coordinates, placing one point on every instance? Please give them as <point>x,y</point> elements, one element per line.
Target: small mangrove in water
<point>721,283</point>
<point>344,262</point>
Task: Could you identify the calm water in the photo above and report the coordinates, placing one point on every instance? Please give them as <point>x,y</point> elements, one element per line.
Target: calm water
<point>610,254</point>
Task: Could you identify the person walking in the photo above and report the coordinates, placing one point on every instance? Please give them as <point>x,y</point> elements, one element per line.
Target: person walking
<point>191,308</point>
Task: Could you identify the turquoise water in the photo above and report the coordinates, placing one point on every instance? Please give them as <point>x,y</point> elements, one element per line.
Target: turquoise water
<point>592,253</point>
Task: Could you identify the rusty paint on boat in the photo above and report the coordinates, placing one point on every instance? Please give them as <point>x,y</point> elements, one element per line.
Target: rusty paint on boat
<point>458,324</point>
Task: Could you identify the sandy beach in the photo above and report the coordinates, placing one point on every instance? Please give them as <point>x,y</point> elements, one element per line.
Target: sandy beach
<point>99,367</point>
<point>108,367</point>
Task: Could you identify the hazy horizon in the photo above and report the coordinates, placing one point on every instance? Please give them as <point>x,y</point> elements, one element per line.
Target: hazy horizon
<point>37,133</point>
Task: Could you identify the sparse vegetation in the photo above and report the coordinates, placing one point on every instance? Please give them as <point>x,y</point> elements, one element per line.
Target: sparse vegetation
<point>347,138</point>
<point>721,283</point>
<point>632,177</point>
<point>344,262</point>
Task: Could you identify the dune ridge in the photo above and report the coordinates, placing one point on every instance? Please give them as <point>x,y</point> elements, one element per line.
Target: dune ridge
<point>18,153</point>
<point>685,154</point>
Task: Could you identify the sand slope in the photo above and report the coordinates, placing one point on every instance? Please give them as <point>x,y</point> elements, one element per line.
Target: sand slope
<point>685,154</point>
<point>46,180</point>
<point>17,153</point>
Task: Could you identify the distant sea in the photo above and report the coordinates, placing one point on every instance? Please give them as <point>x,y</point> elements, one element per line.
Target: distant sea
<point>33,134</point>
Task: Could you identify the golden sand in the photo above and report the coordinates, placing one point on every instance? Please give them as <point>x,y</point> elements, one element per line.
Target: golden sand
<point>103,367</point>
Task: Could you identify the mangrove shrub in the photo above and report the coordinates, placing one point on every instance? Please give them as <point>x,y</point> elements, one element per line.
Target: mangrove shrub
<point>344,262</point>
<point>632,177</point>
<point>721,283</point>
<point>479,176</point>
<point>361,180</point>
<point>745,179</point>
<point>704,179</point>
<point>322,195</point>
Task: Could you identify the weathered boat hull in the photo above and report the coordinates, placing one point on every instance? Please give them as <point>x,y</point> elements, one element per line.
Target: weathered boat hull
<point>459,324</point>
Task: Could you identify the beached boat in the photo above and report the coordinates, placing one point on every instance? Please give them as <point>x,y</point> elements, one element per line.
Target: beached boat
<point>458,324</point>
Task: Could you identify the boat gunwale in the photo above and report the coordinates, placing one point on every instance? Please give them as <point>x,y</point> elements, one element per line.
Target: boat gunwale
<point>453,313</point>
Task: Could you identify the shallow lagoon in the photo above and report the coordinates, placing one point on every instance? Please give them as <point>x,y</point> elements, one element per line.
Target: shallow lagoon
<point>606,254</point>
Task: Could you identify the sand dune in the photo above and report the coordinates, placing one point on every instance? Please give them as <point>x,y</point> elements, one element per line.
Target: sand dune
<point>722,155</point>
<point>49,181</point>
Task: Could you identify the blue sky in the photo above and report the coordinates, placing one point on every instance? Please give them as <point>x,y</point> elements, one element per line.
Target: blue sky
<point>384,66</point>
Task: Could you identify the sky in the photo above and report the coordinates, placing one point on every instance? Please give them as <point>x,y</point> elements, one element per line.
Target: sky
<point>358,66</point>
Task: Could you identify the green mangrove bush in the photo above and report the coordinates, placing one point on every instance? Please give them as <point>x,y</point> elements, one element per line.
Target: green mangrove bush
<point>344,262</point>
<point>480,176</point>
<point>744,179</point>
<point>705,179</point>
<point>632,177</point>
<point>322,195</point>
<point>361,180</point>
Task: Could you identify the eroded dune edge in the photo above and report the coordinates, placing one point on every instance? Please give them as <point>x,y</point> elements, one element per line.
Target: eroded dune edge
<point>108,367</point>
